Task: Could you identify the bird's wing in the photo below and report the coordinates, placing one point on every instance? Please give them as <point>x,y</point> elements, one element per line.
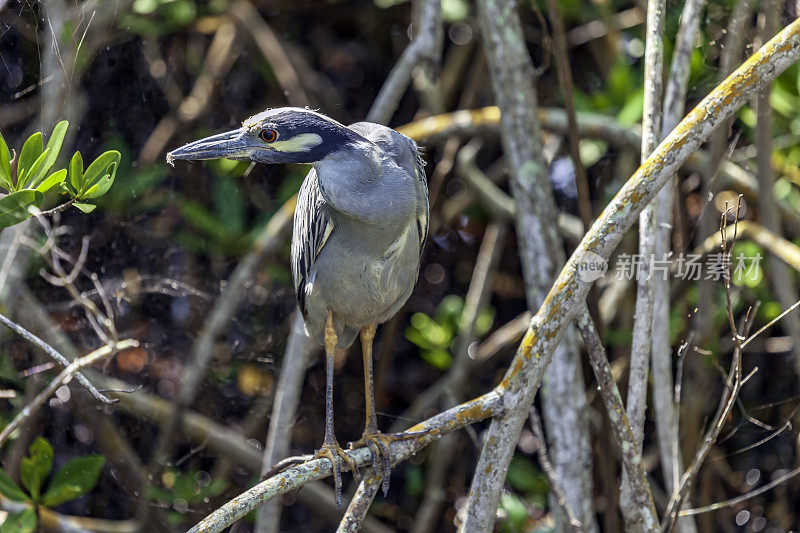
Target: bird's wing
<point>407,155</point>
<point>423,211</point>
<point>312,227</point>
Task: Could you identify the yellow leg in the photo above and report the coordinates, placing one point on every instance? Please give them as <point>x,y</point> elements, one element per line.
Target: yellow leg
<point>367,336</point>
<point>330,446</point>
<point>377,442</point>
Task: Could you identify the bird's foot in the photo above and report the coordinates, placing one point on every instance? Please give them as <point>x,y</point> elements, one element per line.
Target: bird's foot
<point>378,444</point>
<point>334,453</point>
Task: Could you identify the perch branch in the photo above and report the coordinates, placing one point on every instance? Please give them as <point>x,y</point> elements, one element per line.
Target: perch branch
<point>435,427</point>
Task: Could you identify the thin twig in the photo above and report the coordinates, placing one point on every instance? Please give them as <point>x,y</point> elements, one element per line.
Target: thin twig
<point>733,385</point>
<point>52,352</point>
<point>743,497</point>
<point>630,452</point>
<point>64,377</point>
<point>547,467</point>
<point>573,139</point>
<point>771,323</point>
<point>59,208</point>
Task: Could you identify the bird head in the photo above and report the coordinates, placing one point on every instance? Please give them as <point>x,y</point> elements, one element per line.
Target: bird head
<point>281,135</point>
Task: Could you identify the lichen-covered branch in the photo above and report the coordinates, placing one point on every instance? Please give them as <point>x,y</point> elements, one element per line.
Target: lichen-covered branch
<point>569,291</point>
<point>645,282</point>
<point>434,428</point>
<point>664,408</point>
<point>542,254</point>
<point>359,505</point>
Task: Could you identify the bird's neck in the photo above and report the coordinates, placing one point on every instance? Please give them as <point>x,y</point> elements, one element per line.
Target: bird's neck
<point>348,180</point>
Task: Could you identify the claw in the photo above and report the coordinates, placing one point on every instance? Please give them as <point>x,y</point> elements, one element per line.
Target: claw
<point>334,453</point>
<point>378,444</point>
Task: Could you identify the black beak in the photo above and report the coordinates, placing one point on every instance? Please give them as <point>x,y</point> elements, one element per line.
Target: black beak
<point>235,144</point>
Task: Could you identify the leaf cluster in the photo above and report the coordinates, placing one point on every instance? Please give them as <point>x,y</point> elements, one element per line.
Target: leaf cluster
<point>25,179</point>
<point>71,481</point>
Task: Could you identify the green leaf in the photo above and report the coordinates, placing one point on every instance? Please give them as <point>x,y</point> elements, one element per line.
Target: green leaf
<point>14,207</point>
<point>6,180</point>
<point>31,151</point>
<point>105,164</point>
<point>25,182</point>
<point>100,188</point>
<point>76,172</point>
<point>34,469</point>
<point>438,358</point>
<point>86,208</point>
<point>11,490</point>
<point>53,180</point>
<point>24,522</point>
<point>75,479</point>
<point>52,150</point>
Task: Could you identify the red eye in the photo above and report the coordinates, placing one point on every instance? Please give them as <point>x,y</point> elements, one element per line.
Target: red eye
<point>268,135</point>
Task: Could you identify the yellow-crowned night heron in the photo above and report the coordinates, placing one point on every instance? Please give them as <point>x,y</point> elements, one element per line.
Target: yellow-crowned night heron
<point>359,228</point>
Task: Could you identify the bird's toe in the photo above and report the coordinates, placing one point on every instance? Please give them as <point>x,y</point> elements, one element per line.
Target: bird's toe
<point>334,453</point>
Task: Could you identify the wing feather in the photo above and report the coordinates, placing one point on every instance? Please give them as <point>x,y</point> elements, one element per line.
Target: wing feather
<point>312,227</point>
<point>423,212</point>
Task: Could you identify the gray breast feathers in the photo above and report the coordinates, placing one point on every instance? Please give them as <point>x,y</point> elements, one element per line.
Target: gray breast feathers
<point>312,226</point>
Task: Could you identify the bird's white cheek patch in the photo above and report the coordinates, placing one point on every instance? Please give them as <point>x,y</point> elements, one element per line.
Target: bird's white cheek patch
<point>298,143</point>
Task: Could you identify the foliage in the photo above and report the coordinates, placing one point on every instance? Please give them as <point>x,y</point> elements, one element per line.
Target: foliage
<point>76,478</point>
<point>27,178</point>
<point>435,336</point>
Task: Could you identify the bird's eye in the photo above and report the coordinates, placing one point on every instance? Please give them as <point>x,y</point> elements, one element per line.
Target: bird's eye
<point>268,135</point>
